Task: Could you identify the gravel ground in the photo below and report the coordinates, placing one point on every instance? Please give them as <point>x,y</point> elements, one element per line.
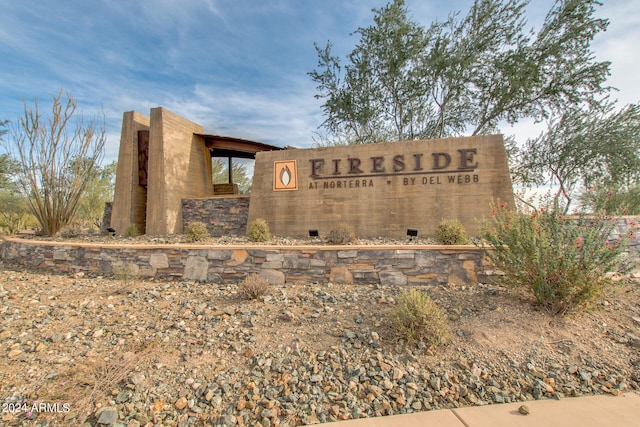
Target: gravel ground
<point>105,238</point>
<point>98,351</point>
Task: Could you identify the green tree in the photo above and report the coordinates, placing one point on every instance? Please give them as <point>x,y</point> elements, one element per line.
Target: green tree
<point>378,94</point>
<point>98,191</point>
<point>583,148</point>
<point>240,176</point>
<point>463,75</point>
<point>611,199</point>
<point>49,179</point>
<point>3,128</point>
<point>13,211</point>
<point>539,74</point>
<point>7,170</point>
<point>5,160</point>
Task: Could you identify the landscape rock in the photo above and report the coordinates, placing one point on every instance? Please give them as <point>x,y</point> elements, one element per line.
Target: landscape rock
<point>196,268</point>
<point>273,277</point>
<point>172,353</point>
<point>108,417</point>
<point>181,403</point>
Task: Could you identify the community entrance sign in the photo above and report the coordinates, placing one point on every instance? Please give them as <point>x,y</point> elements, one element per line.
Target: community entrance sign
<point>378,189</point>
<point>381,189</point>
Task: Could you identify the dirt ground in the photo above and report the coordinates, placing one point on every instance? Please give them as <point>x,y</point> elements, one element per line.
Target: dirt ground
<point>60,334</point>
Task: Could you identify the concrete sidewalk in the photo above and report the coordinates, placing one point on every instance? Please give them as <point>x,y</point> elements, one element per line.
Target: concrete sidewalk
<point>621,411</point>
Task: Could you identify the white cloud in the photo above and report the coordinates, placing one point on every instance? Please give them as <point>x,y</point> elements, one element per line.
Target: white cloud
<point>280,118</point>
<point>619,45</point>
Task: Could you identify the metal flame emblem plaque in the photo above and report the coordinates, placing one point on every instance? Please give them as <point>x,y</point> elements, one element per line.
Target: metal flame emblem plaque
<point>285,175</point>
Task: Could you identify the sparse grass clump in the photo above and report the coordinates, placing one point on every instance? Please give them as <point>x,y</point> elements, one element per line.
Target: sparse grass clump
<point>71,232</point>
<point>131,231</point>
<point>88,382</point>
<point>259,231</point>
<point>451,232</point>
<point>126,274</point>
<point>197,232</point>
<point>341,235</point>
<point>417,318</point>
<point>253,286</point>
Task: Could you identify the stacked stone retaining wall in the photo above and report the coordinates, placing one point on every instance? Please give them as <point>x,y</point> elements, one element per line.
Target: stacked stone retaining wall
<point>395,265</point>
<point>223,215</point>
<point>392,265</point>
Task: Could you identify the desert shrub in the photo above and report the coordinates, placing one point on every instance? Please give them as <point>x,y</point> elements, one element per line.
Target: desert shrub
<point>131,231</point>
<point>259,231</point>
<point>253,286</point>
<point>451,232</point>
<point>197,232</point>
<point>562,262</point>
<point>341,235</point>
<point>417,318</point>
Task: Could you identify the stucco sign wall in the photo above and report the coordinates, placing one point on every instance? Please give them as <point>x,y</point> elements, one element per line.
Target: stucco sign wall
<point>381,189</point>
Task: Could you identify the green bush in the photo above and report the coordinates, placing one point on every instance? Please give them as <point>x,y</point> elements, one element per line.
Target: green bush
<point>417,318</point>
<point>451,232</point>
<point>341,235</point>
<point>562,262</point>
<point>131,231</point>
<point>253,286</point>
<point>259,231</point>
<point>197,232</point>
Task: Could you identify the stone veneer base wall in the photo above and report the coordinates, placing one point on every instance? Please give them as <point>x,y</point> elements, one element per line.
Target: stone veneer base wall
<point>223,215</point>
<point>390,265</point>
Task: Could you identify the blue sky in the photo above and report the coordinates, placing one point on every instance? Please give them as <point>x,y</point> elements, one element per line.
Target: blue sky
<point>237,67</point>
